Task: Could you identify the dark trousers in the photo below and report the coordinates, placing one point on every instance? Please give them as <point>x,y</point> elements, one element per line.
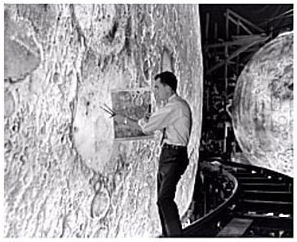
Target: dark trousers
<point>172,164</point>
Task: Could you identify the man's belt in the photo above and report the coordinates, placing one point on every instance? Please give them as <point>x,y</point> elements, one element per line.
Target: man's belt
<point>173,147</point>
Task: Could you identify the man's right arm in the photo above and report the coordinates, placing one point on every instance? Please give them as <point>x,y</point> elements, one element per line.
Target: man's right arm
<point>150,123</point>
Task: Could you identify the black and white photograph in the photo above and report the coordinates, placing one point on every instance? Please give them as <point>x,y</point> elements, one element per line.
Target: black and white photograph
<point>147,120</point>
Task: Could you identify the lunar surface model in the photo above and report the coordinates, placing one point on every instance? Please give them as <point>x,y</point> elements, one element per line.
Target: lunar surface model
<point>66,172</point>
<point>263,106</point>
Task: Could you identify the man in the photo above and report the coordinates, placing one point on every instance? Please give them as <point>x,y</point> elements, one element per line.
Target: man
<point>174,119</point>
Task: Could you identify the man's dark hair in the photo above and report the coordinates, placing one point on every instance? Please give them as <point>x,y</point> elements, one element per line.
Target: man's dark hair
<point>168,78</point>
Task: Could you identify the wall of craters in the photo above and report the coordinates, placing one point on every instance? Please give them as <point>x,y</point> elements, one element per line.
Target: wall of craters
<point>65,175</point>
<point>263,106</point>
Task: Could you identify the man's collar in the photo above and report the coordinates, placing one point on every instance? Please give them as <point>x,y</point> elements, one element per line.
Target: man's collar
<point>172,97</point>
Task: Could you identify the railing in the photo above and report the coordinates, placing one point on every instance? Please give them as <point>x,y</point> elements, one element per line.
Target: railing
<point>239,200</point>
<point>219,191</point>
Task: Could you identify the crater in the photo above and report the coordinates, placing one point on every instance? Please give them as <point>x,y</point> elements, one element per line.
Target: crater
<point>9,104</point>
<point>21,54</point>
<point>111,34</point>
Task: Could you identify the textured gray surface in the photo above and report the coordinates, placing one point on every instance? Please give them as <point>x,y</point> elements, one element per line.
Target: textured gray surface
<point>65,176</point>
<point>263,106</point>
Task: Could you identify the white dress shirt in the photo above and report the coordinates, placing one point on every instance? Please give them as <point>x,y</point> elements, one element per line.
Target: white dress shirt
<point>176,117</point>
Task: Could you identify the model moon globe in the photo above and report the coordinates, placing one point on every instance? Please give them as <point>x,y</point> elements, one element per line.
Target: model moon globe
<point>263,106</point>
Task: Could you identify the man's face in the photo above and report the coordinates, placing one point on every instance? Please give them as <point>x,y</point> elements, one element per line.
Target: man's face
<point>160,91</point>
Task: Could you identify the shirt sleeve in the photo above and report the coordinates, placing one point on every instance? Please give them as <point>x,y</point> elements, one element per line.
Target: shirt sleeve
<point>159,119</point>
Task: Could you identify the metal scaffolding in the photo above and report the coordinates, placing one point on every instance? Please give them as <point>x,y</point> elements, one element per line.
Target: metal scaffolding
<point>242,39</point>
